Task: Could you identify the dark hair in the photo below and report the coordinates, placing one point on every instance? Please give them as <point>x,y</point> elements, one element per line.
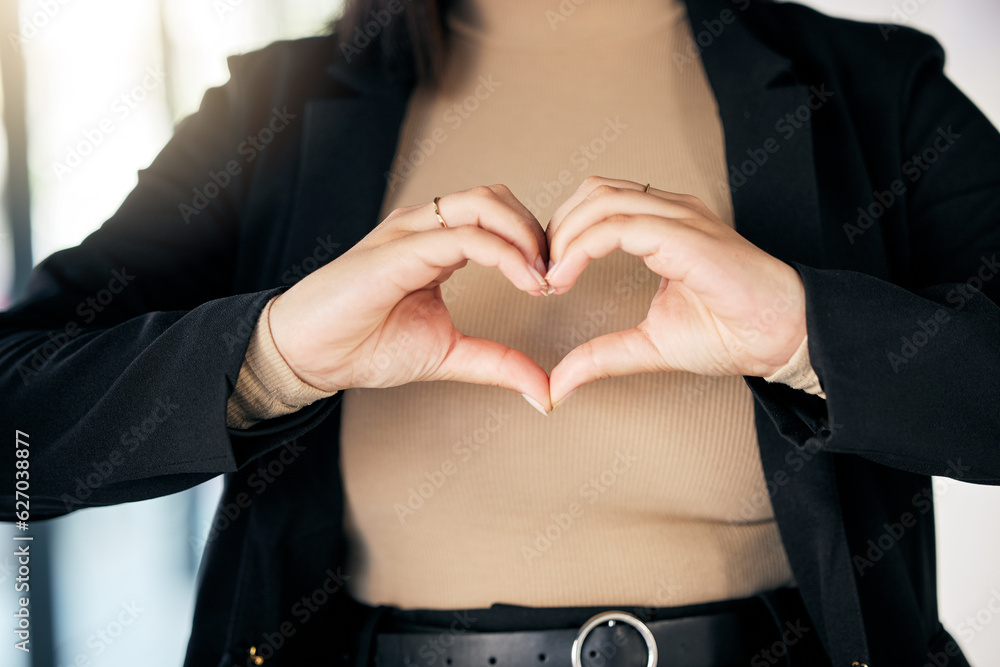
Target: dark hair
<point>406,38</point>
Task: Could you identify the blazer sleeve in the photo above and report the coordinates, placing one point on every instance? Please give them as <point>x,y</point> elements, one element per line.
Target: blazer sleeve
<point>119,360</point>
<point>911,366</point>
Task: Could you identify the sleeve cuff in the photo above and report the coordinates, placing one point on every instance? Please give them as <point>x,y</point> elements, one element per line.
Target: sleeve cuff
<point>798,372</point>
<point>267,387</point>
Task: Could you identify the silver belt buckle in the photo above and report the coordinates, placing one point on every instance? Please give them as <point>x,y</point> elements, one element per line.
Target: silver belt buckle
<point>611,617</point>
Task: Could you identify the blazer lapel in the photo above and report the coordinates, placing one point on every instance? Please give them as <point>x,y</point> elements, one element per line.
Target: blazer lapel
<point>766,116</point>
<point>348,144</point>
<point>769,151</point>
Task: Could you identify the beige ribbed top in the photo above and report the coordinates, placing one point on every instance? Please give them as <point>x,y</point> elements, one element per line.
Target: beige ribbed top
<point>644,490</point>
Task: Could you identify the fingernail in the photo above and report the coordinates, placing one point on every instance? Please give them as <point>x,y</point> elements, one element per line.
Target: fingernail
<point>553,269</point>
<point>538,278</point>
<point>535,404</point>
<point>564,399</point>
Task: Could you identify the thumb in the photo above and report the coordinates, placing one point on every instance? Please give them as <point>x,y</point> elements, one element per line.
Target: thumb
<point>487,362</point>
<point>612,355</point>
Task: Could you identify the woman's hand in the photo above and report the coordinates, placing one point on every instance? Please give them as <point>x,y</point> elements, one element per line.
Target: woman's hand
<point>374,316</point>
<point>724,306</point>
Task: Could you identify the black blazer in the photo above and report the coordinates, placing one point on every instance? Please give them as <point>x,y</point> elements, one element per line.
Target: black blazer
<point>284,167</point>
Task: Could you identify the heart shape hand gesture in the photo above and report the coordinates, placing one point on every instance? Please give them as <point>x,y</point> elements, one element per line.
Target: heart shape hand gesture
<point>374,317</point>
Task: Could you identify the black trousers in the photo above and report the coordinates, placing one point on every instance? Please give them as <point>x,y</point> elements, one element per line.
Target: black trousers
<point>783,633</point>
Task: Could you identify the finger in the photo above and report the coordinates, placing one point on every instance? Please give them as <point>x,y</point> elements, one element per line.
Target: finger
<point>488,362</point>
<point>589,184</point>
<point>616,354</point>
<point>669,248</point>
<point>606,201</point>
<point>415,261</point>
<point>723,270</point>
<point>533,224</point>
<point>496,210</point>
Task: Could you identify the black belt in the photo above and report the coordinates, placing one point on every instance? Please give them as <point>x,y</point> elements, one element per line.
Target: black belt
<point>609,639</point>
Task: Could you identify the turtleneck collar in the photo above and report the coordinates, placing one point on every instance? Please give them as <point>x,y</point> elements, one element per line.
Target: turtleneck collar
<point>559,23</point>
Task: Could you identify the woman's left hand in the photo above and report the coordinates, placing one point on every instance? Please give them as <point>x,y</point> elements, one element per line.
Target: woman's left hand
<point>724,306</point>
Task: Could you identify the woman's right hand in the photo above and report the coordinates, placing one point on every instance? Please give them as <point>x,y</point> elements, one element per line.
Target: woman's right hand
<point>374,317</point>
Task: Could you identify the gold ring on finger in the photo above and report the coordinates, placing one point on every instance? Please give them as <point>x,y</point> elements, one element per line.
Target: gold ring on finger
<point>437,212</point>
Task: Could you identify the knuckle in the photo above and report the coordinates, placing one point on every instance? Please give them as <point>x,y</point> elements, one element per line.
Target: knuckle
<point>500,189</point>
<point>592,182</point>
<point>696,203</point>
<point>482,191</point>
<point>603,190</point>
<point>462,231</point>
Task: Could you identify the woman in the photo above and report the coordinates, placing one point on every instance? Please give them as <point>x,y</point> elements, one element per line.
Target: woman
<point>431,520</point>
